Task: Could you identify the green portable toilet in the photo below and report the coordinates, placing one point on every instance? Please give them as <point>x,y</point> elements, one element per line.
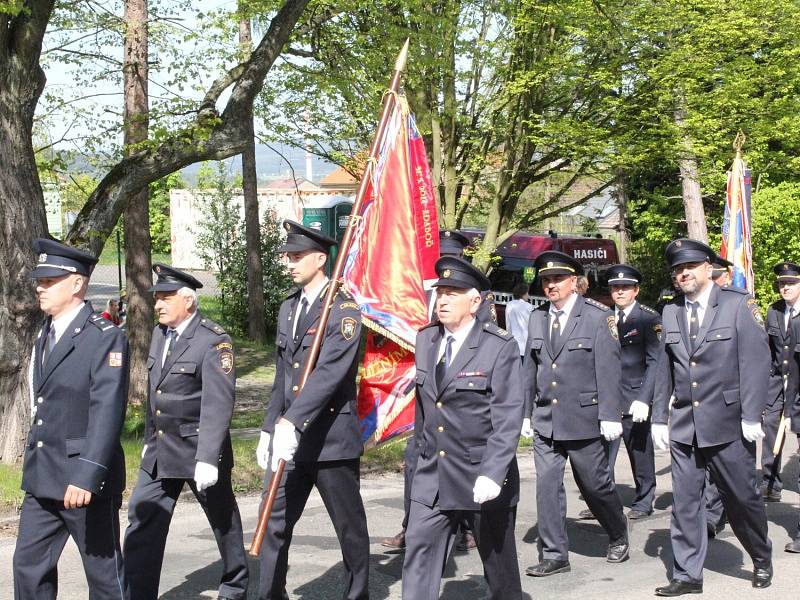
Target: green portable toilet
<point>329,215</point>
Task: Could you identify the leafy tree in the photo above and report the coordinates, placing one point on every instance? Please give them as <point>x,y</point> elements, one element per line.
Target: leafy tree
<point>775,234</point>
<point>222,245</point>
<point>159,211</point>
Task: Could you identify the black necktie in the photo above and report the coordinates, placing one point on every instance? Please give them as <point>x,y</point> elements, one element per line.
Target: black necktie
<point>171,335</point>
<point>444,363</point>
<point>300,316</point>
<point>555,328</point>
<point>49,342</point>
<point>694,324</point>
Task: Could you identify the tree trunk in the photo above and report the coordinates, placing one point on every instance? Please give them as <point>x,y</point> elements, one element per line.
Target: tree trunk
<point>256,323</point>
<point>621,200</point>
<point>136,216</point>
<point>690,184</point>
<point>22,219</point>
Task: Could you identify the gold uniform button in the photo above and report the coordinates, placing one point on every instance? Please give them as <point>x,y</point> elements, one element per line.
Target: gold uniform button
<point>39,422</point>
<point>594,400</point>
<point>158,391</point>
<point>696,403</point>
<point>440,429</point>
<point>160,432</point>
<point>39,400</point>
<point>786,362</point>
<point>694,384</point>
<point>438,405</point>
<point>295,388</point>
<point>442,453</point>
<point>331,409</point>
<point>553,366</point>
<point>555,400</point>
<point>197,430</point>
<point>553,384</point>
<point>786,347</point>
<point>182,369</point>
<point>694,364</point>
<point>580,345</point>
<point>296,365</point>
<point>39,444</point>
<point>158,411</point>
<point>470,384</point>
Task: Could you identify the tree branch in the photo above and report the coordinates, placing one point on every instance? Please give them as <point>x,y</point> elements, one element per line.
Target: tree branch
<point>210,137</point>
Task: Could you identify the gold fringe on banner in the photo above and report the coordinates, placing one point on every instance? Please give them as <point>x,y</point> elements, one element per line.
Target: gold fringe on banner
<point>386,333</point>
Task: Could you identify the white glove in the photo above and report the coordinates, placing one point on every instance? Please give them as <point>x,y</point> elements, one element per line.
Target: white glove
<point>284,443</point>
<point>639,411</point>
<point>752,430</point>
<point>144,450</point>
<point>526,431</point>
<point>485,489</point>
<point>262,452</point>
<point>205,475</point>
<point>660,433</point>
<point>610,430</point>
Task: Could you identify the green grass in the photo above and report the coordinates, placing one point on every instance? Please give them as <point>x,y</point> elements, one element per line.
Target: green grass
<point>10,494</point>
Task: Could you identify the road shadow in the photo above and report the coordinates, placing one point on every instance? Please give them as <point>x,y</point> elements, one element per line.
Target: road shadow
<point>204,582</point>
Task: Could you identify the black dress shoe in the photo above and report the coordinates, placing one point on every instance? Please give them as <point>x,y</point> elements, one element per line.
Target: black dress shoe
<point>467,542</point>
<point>398,542</point>
<point>679,588</point>
<point>762,577</point>
<point>793,546</point>
<point>548,566</point>
<point>634,514</point>
<point>618,553</point>
<point>586,515</point>
<point>714,529</point>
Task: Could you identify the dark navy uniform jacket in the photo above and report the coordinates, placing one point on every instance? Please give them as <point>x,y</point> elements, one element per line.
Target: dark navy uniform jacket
<point>782,345</point>
<point>325,412</point>
<point>641,347</point>
<point>190,400</point>
<point>721,382</point>
<point>574,386</point>
<point>80,397</point>
<point>470,425</point>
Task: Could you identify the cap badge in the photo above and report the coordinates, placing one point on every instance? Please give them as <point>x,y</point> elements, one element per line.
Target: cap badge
<point>446,273</point>
<point>785,267</point>
<point>550,265</point>
<point>678,243</point>
<point>446,234</point>
<point>620,275</point>
<point>42,257</point>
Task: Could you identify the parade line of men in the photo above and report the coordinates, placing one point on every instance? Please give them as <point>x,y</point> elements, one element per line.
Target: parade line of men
<point>706,379</point>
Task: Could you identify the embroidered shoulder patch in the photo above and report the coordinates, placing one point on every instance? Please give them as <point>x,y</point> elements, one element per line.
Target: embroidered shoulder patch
<point>657,329</point>
<point>348,304</point>
<point>225,346</point>
<point>612,327</point>
<point>115,359</point>
<point>226,361</point>
<point>348,328</point>
<point>754,310</point>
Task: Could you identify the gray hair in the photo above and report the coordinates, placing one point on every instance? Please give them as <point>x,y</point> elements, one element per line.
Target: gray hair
<point>188,292</point>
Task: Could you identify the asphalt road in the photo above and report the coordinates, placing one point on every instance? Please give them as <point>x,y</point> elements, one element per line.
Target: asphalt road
<point>191,566</point>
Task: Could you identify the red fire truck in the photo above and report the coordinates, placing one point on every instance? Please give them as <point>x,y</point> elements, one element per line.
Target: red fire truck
<point>517,253</point>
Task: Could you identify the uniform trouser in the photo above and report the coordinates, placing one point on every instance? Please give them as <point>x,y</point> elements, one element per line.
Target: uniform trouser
<point>429,541</point>
<point>733,468</point>
<point>339,486</point>
<point>712,503</point>
<point>44,527</point>
<point>591,471</point>
<point>639,445</point>
<point>149,515</point>
<point>410,457</point>
<point>770,464</point>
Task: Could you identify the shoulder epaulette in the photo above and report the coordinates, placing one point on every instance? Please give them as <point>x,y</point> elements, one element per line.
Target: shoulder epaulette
<point>737,290</point>
<point>211,326</point>
<point>292,292</point>
<point>596,304</point>
<point>647,309</point>
<point>99,321</point>
<point>498,331</point>
<point>543,307</point>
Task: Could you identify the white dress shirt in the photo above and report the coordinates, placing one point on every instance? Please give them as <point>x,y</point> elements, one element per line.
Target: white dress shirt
<point>458,340</point>
<point>624,311</point>
<point>518,313</point>
<point>178,332</point>
<point>702,305</point>
<point>789,308</point>
<point>310,297</point>
<point>566,310</point>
